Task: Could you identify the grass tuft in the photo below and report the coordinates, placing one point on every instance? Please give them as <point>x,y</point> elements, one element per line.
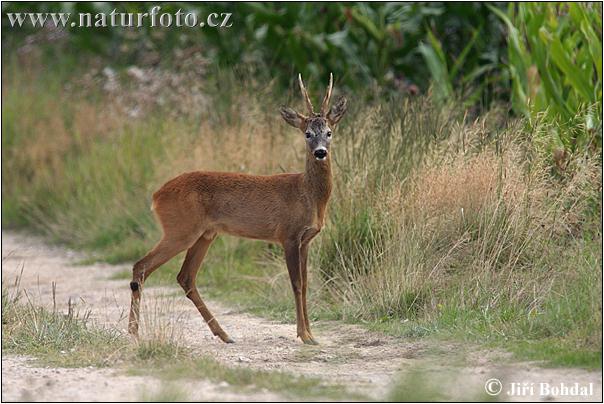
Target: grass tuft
<point>294,387</point>
<point>167,393</point>
<point>54,337</point>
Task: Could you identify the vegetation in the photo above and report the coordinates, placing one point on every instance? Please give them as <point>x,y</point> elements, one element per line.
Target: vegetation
<point>168,393</point>
<point>245,377</point>
<point>362,43</point>
<point>423,385</point>
<point>53,337</point>
<point>555,63</point>
<point>450,216</point>
<point>72,340</point>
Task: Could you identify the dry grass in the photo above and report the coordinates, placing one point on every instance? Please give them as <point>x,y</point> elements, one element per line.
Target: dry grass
<point>61,338</point>
<point>469,239</point>
<point>160,336</point>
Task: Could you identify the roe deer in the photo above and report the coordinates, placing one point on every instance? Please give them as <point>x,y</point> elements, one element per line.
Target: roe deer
<point>285,208</point>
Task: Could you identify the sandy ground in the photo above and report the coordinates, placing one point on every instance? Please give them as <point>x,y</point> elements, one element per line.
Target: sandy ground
<point>22,381</point>
<point>365,362</point>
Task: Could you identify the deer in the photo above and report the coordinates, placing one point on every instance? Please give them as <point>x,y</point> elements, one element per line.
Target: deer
<point>287,209</point>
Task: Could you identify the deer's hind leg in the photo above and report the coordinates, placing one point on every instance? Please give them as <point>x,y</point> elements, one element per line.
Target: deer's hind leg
<point>166,249</point>
<point>186,278</point>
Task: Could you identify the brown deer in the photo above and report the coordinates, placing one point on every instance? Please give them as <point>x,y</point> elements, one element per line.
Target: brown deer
<point>289,209</point>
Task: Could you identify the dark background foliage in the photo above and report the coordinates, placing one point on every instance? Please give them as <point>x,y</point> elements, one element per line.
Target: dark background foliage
<point>361,43</point>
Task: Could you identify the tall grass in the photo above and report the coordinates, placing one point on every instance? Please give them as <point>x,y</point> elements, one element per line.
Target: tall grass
<point>474,231</point>
<point>437,224</point>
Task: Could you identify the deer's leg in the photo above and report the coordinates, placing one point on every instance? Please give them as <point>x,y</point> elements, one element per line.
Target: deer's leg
<point>159,255</point>
<point>186,278</point>
<point>292,258</point>
<point>304,275</point>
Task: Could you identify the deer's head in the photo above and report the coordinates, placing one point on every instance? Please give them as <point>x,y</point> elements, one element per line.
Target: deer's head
<point>316,126</point>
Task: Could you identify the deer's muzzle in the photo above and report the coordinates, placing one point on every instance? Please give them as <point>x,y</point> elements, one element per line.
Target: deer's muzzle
<point>320,153</point>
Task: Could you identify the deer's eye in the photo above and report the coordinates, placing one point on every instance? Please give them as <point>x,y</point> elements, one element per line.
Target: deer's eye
<point>328,134</point>
<point>308,135</point>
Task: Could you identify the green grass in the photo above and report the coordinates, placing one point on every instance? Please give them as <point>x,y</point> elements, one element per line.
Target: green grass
<point>557,352</point>
<point>561,332</point>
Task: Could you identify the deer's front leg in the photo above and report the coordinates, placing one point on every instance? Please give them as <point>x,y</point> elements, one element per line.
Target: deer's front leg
<point>304,274</point>
<point>292,259</point>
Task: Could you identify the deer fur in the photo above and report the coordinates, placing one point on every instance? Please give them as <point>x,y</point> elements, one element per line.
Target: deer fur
<point>288,209</point>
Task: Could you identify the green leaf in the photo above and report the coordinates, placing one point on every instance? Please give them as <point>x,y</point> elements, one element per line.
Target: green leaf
<point>464,53</point>
<point>573,73</point>
<point>367,24</point>
<point>438,70</point>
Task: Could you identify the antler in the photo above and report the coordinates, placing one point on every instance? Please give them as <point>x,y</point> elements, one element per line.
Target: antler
<point>325,104</point>
<point>309,107</point>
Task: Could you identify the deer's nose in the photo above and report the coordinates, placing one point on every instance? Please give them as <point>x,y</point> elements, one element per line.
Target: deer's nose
<point>320,153</point>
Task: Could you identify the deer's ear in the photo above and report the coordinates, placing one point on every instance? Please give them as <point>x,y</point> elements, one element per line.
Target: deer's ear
<point>292,117</point>
<point>337,111</point>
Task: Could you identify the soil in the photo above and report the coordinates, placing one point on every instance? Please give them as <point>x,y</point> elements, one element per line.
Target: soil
<point>364,362</point>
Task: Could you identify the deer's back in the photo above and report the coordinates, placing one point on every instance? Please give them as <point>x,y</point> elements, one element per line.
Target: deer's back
<point>254,206</point>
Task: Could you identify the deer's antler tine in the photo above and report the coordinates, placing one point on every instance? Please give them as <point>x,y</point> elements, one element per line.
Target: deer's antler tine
<point>325,104</point>
<point>305,95</point>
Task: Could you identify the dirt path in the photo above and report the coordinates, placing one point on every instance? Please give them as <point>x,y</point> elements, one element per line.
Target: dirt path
<point>22,381</point>
<point>365,362</point>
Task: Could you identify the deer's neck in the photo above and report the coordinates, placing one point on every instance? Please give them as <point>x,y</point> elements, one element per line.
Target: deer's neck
<point>318,182</point>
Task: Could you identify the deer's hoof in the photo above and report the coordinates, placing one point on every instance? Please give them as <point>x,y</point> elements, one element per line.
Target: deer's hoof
<point>308,340</point>
<point>133,330</point>
<point>226,339</point>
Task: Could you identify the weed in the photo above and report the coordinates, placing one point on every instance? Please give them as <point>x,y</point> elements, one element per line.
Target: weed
<point>61,339</point>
